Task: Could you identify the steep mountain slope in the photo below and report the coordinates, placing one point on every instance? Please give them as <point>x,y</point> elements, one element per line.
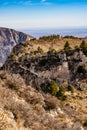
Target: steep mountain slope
<point>47,90</point>
<point>24,108</point>
<point>8,39</point>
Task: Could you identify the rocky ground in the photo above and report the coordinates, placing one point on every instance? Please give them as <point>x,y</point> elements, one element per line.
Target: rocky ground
<point>24,108</point>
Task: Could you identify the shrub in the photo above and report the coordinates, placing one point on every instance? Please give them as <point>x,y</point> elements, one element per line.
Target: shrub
<point>13,56</point>
<point>83,46</point>
<point>14,81</point>
<point>23,44</point>
<point>57,91</point>
<point>51,51</point>
<point>39,50</point>
<point>67,46</point>
<point>77,48</point>
<point>61,93</point>
<point>50,103</point>
<point>70,88</point>
<point>52,88</point>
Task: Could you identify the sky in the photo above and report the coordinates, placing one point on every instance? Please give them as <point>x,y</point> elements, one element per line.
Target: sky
<point>32,14</point>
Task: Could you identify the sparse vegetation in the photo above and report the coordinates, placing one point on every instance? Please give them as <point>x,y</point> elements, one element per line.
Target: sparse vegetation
<point>50,103</point>
<point>72,37</point>
<point>67,46</point>
<point>13,56</point>
<point>70,88</point>
<point>55,90</point>
<point>38,51</point>
<point>23,44</point>
<point>52,88</point>
<point>77,47</point>
<point>33,39</point>
<point>50,38</point>
<point>51,51</point>
<point>61,93</point>
<point>83,46</point>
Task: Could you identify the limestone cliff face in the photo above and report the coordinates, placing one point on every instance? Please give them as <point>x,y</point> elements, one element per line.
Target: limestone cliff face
<point>8,39</point>
<point>40,69</point>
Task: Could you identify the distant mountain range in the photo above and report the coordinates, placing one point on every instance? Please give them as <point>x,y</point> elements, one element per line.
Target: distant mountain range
<point>8,39</point>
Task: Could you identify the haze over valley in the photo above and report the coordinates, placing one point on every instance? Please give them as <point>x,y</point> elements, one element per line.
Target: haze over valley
<point>78,32</point>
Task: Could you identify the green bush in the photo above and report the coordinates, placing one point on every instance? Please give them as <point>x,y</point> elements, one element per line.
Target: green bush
<point>51,51</point>
<point>61,93</point>
<point>83,46</point>
<point>77,48</point>
<point>23,44</point>
<point>55,90</point>
<point>39,50</point>
<point>70,88</point>
<point>67,46</point>
<point>13,56</point>
<point>52,88</point>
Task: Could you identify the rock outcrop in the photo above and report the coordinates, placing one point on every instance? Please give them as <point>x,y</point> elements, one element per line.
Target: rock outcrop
<point>8,39</point>
<point>38,70</point>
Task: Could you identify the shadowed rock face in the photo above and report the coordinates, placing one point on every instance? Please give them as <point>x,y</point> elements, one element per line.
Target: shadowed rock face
<point>41,69</point>
<point>8,39</point>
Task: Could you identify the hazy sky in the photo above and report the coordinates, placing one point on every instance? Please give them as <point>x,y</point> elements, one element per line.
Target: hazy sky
<point>43,13</point>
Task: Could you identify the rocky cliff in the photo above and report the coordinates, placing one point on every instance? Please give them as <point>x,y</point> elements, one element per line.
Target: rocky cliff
<point>40,68</point>
<point>8,39</point>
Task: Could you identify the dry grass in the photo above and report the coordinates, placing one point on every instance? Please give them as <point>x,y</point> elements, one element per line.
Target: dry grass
<point>57,44</point>
<point>24,108</point>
